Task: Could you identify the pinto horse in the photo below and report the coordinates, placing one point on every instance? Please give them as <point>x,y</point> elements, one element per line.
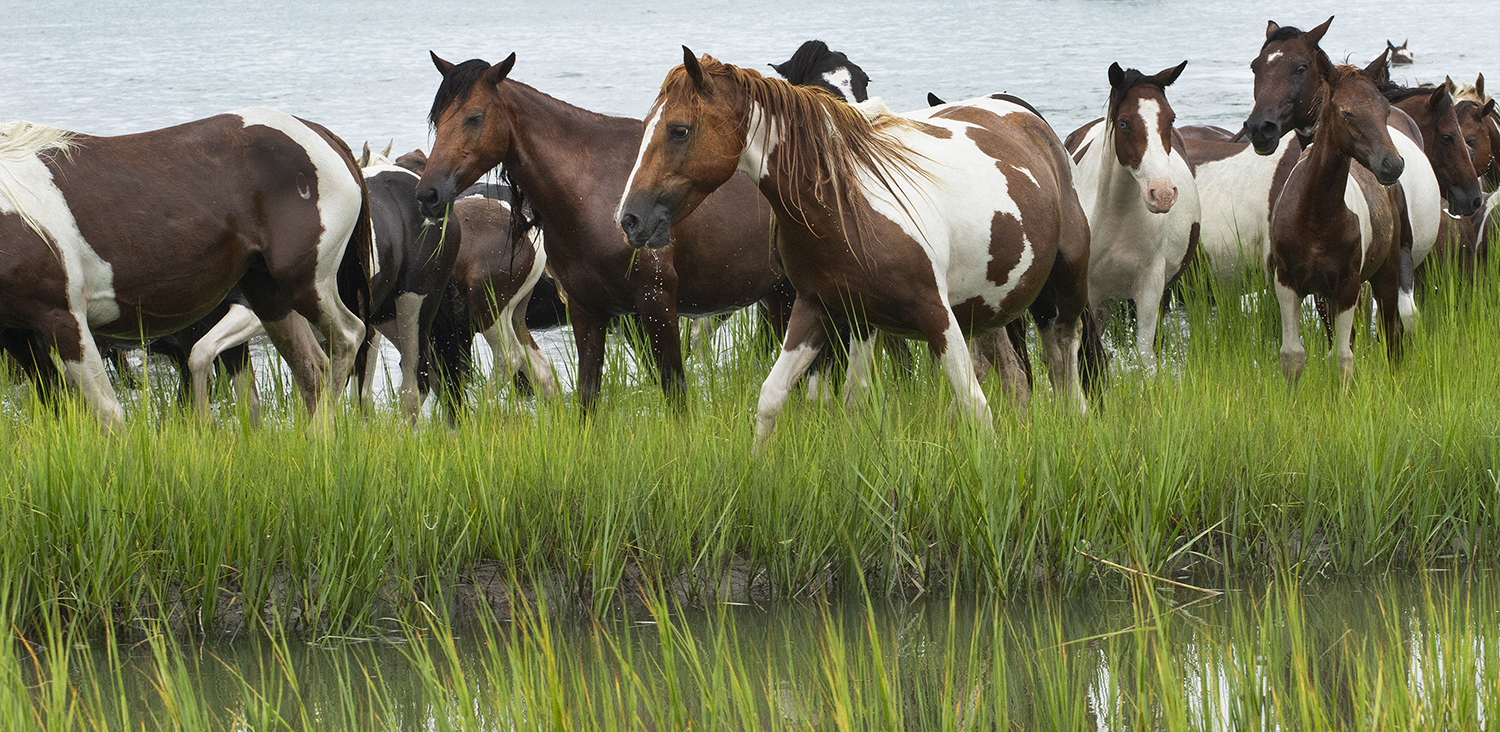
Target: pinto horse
<point>569,164</point>
<point>1237,188</point>
<point>1134,180</point>
<point>140,235</point>
<point>1291,72</point>
<point>815,64</point>
<point>493,279</point>
<point>955,219</point>
<point>1339,224</point>
<point>411,261</point>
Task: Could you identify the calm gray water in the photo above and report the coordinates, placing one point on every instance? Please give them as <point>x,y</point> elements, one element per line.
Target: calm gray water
<point>362,68</point>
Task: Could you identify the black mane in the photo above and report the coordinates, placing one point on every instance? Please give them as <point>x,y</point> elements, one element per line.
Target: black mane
<point>1133,78</point>
<point>456,84</point>
<point>812,59</point>
<point>1395,93</point>
<point>1284,33</point>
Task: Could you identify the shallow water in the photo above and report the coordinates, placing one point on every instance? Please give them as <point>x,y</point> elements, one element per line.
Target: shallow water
<point>1102,662</point>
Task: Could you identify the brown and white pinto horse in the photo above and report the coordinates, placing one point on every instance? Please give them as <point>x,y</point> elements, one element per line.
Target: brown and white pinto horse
<point>950,221</point>
<point>1134,181</point>
<point>1339,222</point>
<point>141,235</point>
<point>570,165</point>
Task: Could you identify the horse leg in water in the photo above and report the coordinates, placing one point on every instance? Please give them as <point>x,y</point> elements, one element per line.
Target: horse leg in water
<point>366,368</point>
<point>588,335</point>
<point>861,362</point>
<point>1387,287</point>
<point>995,348</point>
<point>1293,354</point>
<point>1148,301</point>
<point>83,367</point>
<point>237,327</point>
<point>293,338</point>
<point>506,345</point>
<point>540,369</point>
<point>657,307</point>
<point>241,368</point>
<point>806,334</point>
<point>405,334</point>
<point>1058,312</point>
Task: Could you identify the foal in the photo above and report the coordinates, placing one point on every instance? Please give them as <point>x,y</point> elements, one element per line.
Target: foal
<point>1338,224</point>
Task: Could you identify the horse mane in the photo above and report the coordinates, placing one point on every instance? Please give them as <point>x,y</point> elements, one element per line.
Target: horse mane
<point>19,142</point>
<point>1395,93</point>
<point>852,142</point>
<point>456,85</point>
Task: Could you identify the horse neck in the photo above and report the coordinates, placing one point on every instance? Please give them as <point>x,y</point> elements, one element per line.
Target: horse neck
<point>818,205</point>
<point>1115,181</point>
<point>1327,170</point>
<point>546,137</point>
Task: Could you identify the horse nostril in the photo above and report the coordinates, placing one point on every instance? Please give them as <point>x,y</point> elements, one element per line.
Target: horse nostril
<point>1268,128</point>
<point>629,223</point>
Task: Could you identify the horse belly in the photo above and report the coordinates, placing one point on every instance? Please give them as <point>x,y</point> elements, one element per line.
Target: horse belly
<point>1235,212</point>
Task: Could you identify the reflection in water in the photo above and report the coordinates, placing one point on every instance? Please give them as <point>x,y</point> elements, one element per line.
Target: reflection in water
<point>1337,654</point>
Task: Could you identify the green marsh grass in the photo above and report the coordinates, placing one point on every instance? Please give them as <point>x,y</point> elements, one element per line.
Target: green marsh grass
<point>1209,467</point>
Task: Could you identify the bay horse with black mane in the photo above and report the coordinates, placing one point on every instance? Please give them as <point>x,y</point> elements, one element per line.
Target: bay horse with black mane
<point>948,221</point>
<point>569,165</point>
<point>1339,222</point>
<point>140,235</point>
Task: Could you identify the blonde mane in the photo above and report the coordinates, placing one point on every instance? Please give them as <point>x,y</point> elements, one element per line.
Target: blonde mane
<point>19,143</point>
<point>824,140</point>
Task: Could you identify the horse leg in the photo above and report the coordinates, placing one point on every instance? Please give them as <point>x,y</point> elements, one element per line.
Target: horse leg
<point>994,349</point>
<point>1406,301</point>
<point>1058,312</point>
<point>588,336</point>
<point>408,342</point>
<point>1386,285</point>
<point>658,312</point>
<point>1293,355</point>
<point>83,367</point>
<point>1148,300</point>
<point>26,349</point>
<point>507,347</point>
<point>237,326</point>
<point>540,367</point>
<point>242,377</point>
<point>806,335</point>
<point>366,369</point>
<point>861,362</point>
<point>948,345</point>
<point>293,338</point>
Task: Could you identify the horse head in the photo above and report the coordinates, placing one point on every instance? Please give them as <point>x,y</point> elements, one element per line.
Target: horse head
<point>415,161</point>
<point>1353,120</point>
<point>1445,142</point>
<point>1399,54</point>
<point>692,144</point>
<point>814,64</point>
<point>472,130</point>
<point>1289,74</point>
<point>1140,123</point>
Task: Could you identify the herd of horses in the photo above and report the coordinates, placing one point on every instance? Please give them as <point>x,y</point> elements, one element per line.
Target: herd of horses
<point>837,217</point>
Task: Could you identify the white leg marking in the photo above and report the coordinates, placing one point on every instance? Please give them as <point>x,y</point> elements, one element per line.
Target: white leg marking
<point>960,369</point>
<point>1293,355</point>
<point>88,376</point>
<point>408,343</point>
<point>790,366</point>
<point>237,326</point>
<point>1343,326</point>
<point>861,361</point>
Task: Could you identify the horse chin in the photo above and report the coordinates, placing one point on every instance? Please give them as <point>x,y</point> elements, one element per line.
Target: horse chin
<point>1265,147</point>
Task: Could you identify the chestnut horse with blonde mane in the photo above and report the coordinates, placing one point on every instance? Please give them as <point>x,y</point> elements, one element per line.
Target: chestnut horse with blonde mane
<point>948,221</point>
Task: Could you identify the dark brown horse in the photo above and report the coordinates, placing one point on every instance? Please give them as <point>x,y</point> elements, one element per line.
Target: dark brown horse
<point>1339,222</point>
<point>866,231</point>
<point>141,235</point>
<point>570,165</point>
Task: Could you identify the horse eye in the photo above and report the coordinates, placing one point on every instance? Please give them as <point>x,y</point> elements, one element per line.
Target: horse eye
<point>677,132</point>
<point>1447,139</point>
<point>1471,141</point>
<point>1124,125</point>
<point>1301,69</point>
<point>474,120</point>
<point>1346,113</point>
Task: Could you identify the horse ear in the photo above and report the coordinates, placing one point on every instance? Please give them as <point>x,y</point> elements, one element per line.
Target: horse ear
<point>1403,42</point>
<point>1116,75</point>
<point>693,68</point>
<point>363,161</point>
<point>1317,33</point>
<point>933,101</point>
<point>1389,46</point>
<point>1271,29</point>
<point>1379,70</point>
<point>497,73</point>
<point>1479,85</point>
<point>386,153</point>
<point>443,67</point>
<point>1488,109</point>
<point>1165,77</point>
<point>1440,100</point>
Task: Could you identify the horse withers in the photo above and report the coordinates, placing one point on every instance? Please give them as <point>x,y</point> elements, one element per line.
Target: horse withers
<point>933,225</point>
<point>141,235</point>
<point>1339,223</point>
<point>1134,181</point>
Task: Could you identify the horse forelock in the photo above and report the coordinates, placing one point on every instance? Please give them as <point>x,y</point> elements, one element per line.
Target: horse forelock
<point>456,86</point>
<point>1133,78</point>
<point>1284,33</point>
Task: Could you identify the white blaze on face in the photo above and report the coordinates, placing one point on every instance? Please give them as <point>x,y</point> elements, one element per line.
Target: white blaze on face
<point>640,155</point>
<point>1274,55</point>
<point>840,79</point>
<point>27,185</point>
<point>761,139</point>
<point>1155,172</point>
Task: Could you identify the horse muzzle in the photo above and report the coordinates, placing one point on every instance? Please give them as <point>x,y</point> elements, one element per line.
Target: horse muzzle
<point>433,199</point>
<point>646,226</point>
<point>1388,169</point>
